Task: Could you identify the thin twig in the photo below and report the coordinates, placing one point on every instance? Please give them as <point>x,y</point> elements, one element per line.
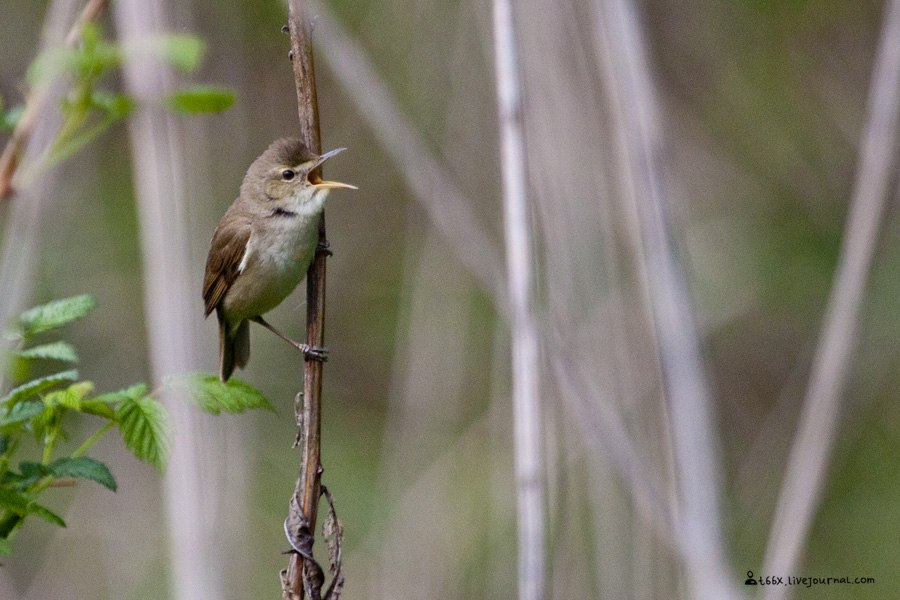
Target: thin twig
<point>308,487</point>
<point>34,104</point>
<point>804,476</point>
<point>528,452</point>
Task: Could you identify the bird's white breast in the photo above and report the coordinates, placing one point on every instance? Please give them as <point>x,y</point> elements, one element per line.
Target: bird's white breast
<point>278,254</point>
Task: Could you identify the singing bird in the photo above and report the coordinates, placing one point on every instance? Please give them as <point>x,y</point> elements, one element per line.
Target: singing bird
<point>264,244</point>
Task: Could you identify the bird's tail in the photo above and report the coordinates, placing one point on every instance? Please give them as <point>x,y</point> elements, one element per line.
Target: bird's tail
<point>234,346</point>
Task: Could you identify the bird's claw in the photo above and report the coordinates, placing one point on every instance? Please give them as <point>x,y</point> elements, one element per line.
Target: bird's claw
<point>324,247</point>
<point>314,353</point>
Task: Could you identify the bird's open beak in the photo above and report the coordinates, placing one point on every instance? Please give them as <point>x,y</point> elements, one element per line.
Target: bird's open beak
<point>328,185</point>
<point>319,183</point>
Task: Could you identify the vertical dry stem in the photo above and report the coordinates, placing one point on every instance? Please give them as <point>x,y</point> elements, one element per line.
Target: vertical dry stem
<point>162,171</point>
<point>432,184</point>
<point>688,398</point>
<point>308,488</point>
<point>804,477</point>
<point>529,463</point>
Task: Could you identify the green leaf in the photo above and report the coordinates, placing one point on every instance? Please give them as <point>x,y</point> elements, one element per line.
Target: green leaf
<point>70,397</point>
<point>116,106</point>
<point>50,63</point>
<point>54,315</point>
<point>84,467</point>
<point>182,51</point>
<point>83,64</point>
<point>36,386</point>
<point>14,501</point>
<point>21,412</point>
<point>101,405</point>
<point>5,547</point>
<point>136,391</point>
<point>45,513</point>
<point>99,409</point>
<point>62,351</point>
<point>215,397</point>
<point>145,428</point>
<point>32,470</point>
<point>201,99</point>
<point>29,473</point>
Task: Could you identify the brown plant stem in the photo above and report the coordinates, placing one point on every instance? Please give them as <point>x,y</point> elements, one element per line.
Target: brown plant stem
<point>34,102</point>
<point>308,412</point>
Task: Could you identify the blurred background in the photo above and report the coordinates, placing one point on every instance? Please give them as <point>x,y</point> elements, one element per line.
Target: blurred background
<point>761,104</point>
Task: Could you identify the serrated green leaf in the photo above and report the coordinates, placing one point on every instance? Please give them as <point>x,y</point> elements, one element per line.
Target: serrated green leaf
<point>137,390</point>
<point>70,397</point>
<point>36,386</point>
<point>54,314</point>
<point>99,409</point>
<point>46,514</point>
<point>62,351</point>
<point>101,405</point>
<point>84,467</point>
<point>145,428</point>
<point>212,396</point>
<point>201,99</point>
<point>21,412</point>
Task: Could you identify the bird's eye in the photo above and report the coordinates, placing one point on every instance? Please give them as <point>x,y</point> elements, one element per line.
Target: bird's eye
<point>288,174</point>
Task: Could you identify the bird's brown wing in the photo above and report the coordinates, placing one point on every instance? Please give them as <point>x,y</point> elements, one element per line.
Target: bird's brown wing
<point>228,246</point>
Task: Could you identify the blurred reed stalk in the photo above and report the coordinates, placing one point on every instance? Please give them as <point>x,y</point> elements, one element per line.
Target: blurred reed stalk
<point>430,181</point>
<point>636,120</point>
<point>195,486</point>
<point>527,428</point>
<point>804,477</point>
<point>23,216</point>
<point>445,204</point>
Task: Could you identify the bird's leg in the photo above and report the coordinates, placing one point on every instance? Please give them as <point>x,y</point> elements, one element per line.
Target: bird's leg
<point>309,352</point>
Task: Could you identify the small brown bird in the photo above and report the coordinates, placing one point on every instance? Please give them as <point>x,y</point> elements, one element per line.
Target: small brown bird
<point>264,245</point>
